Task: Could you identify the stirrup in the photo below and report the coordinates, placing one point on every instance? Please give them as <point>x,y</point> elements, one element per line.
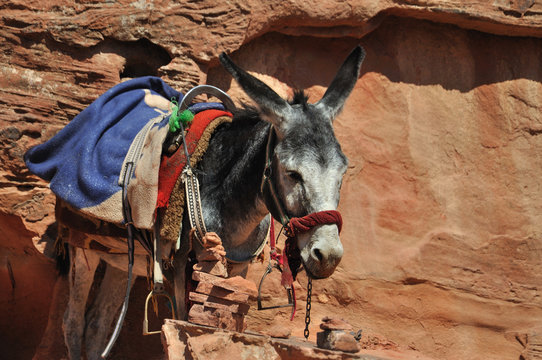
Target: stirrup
<point>288,291</point>
<point>146,318</point>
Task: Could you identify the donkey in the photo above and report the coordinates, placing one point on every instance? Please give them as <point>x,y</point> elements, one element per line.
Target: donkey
<point>306,166</point>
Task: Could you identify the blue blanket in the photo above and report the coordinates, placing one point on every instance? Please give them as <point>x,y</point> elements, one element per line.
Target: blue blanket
<point>83,161</point>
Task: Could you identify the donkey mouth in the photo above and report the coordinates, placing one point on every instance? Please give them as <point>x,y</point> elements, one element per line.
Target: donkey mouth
<point>315,271</point>
<point>311,275</point>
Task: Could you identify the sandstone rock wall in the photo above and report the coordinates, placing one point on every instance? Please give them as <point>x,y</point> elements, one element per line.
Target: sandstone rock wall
<point>443,131</point>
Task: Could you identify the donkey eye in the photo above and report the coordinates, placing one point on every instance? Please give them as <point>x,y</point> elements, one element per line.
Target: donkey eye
<point>295,176</point>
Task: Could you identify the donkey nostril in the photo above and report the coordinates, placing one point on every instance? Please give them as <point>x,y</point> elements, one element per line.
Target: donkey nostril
<point>318,254</point>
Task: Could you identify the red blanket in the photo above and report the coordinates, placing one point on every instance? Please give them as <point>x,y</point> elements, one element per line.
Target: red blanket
<point>172,166</point>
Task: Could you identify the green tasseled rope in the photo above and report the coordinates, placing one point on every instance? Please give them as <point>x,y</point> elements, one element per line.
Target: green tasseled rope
<point>185,117</point>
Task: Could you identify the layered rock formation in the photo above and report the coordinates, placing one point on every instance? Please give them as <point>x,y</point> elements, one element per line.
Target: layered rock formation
<point>441,202</point>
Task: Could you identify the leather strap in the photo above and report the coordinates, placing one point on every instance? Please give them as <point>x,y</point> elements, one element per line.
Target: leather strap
<point>193,202</point>
<point>131,230</point>
<point>267,187</point>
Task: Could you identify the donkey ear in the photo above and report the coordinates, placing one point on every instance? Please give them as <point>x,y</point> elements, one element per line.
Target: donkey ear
<point>343,83</point>
<point>273,107</point>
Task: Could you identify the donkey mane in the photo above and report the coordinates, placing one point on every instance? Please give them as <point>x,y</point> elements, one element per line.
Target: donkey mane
<point>300,98</point>
<point>247,122</point>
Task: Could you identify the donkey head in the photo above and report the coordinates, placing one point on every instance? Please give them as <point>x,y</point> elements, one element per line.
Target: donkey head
<point>308,164</point>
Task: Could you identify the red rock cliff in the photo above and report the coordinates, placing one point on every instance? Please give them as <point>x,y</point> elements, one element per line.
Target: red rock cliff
<point>441,202</point>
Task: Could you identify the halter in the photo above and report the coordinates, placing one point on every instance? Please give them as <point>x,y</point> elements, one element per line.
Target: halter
<point>291,261</point>
<point>294,226</point>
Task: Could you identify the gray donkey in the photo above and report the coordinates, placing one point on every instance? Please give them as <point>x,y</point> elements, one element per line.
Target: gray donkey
<point>305,166</point>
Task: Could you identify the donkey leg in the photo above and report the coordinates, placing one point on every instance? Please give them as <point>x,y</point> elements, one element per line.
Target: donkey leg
<point>103,310</point>
<point>81,277</point>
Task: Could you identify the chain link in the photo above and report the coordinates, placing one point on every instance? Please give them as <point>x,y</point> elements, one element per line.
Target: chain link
<point>308,309</point>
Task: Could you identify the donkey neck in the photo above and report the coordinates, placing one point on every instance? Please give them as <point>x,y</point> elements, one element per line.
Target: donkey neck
<point>231,173</point>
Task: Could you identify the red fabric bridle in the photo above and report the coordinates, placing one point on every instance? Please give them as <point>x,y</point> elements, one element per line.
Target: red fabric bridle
<point>293,228</point>
<point>303,224</point>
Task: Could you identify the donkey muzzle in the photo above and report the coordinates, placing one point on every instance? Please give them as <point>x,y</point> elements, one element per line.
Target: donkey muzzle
<point>322,251</point>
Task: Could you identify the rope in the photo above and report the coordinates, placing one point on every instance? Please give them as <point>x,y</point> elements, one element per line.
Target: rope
<point>301,225</point>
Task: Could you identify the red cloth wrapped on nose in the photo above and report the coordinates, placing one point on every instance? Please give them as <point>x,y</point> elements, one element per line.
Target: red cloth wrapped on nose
<point>303,224</point>
<point>296,226</point>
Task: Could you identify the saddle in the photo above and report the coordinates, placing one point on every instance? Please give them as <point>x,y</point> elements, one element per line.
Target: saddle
<point>84,161</point>
<point>106,235</point>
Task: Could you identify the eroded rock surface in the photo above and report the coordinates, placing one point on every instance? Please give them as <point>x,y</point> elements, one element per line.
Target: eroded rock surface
<point>184,340</point>
<point>441,201</point>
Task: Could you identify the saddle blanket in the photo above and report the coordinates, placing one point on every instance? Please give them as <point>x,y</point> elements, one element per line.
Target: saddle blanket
<point>84,160</point>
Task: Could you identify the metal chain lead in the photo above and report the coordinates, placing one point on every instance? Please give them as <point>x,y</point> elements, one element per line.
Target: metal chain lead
<point>308,309</point>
